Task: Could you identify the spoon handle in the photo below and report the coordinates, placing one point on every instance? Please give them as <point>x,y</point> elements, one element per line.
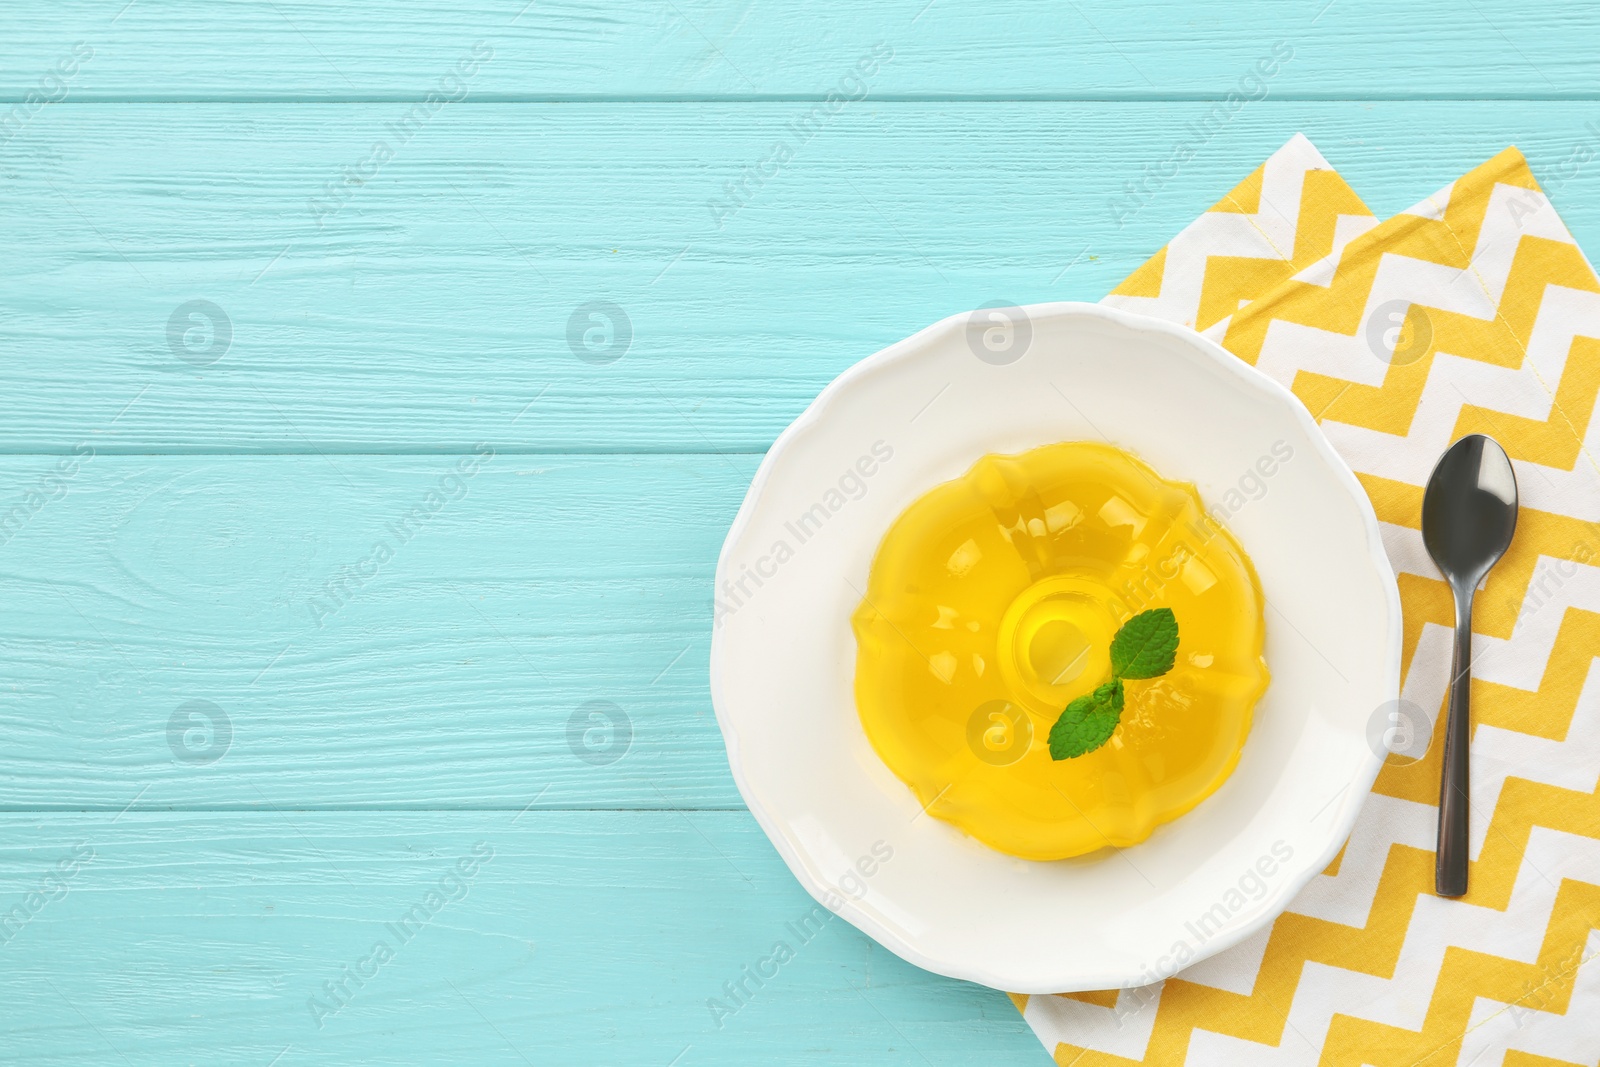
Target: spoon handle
<point>1450,867</point>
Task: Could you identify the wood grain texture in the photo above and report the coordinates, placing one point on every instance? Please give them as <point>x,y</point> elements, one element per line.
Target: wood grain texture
<point>577,938</point>
<point>639,49</point>
<point>215,539</point>
<point>371,644</point>
<point>432,310</point>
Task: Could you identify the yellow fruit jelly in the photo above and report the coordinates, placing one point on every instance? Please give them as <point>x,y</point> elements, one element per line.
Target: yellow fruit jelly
<point>992,603</point>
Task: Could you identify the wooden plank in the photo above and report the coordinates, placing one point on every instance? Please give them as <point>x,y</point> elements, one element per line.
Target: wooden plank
<point>574,49</point>
<point>563,937</point>
<point>369,643</point>
<point>433,308</point>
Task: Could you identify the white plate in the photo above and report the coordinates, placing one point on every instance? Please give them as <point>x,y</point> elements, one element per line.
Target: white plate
<point>783,656</point>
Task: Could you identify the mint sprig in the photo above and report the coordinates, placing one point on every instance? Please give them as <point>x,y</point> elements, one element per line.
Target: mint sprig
<point>1145,647</point>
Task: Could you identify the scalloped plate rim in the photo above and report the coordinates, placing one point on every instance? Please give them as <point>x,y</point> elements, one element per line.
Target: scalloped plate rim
<point>1277,900</point>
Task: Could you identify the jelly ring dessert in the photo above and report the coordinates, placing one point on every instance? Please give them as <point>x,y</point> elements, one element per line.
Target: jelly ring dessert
<point>992,604</point>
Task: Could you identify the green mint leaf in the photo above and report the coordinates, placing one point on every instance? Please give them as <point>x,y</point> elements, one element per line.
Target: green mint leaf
<point>1088,722</point>
<point>1146,645</point>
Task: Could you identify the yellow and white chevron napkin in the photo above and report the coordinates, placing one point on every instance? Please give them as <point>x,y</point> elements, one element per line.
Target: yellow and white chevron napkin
<point>1292,212</point>
<point>1473,312</point>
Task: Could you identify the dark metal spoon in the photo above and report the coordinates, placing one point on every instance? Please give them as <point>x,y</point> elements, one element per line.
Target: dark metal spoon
<point>1468,516</point>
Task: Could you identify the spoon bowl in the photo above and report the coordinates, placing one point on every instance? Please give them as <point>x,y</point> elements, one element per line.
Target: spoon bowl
<point>1469,511</point>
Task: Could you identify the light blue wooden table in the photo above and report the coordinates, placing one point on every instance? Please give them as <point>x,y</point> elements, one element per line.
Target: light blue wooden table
<point>357,551</point>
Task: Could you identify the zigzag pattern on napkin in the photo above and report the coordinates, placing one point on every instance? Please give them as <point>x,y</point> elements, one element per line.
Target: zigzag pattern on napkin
<point>1472,312</point>
<point>1292,212</point>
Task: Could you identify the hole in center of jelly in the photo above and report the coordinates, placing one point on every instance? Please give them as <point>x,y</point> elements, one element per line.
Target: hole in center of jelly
<point>1058,652</point>
<point>1055,639</point>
